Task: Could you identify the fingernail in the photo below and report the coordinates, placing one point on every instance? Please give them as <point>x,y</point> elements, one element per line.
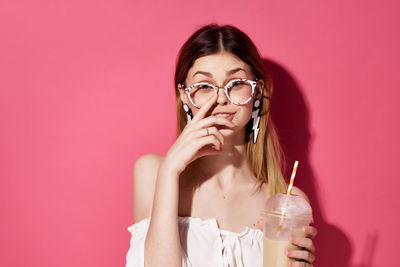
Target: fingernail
<point>286,252</point>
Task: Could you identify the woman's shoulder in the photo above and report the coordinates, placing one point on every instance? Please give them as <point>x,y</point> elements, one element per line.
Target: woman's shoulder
<point>149,160</point>
<point>146,167</point>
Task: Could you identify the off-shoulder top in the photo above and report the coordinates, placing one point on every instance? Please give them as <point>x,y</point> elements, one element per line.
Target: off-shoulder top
<point>203,244</point>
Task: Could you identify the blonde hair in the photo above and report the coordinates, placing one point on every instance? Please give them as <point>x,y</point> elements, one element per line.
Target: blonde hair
<point>265,157</point>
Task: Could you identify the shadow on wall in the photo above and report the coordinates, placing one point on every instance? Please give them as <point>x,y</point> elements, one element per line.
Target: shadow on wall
<point>291,116</point>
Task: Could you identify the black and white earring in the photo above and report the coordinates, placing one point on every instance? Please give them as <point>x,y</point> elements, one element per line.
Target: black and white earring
<point>256,119</point>
<point>188,111</point>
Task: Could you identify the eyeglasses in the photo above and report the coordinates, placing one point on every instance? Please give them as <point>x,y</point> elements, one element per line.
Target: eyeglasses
<point>238,91</point>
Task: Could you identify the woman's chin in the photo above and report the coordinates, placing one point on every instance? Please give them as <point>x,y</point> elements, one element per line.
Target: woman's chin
<point>229,133</point>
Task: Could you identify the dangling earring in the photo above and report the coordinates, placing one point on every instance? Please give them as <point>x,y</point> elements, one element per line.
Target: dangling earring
<point>188,111</point>
<point>256,119</point>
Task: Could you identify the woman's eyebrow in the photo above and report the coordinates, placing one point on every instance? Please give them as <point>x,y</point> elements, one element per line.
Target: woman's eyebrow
<point>208,74</point>
<point>230,72</point>
<point>202,72</point>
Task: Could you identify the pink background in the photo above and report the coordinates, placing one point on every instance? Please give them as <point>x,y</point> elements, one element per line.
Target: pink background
<point>87,86</point>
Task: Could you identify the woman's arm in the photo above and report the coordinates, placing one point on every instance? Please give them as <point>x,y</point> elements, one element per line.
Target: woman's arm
<point>163,242</point>
<point>144,182</point>
<point>162,245</point>
<point>152,181</point>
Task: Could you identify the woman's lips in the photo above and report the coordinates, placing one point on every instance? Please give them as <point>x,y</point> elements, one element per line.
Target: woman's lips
<point>228,116</point>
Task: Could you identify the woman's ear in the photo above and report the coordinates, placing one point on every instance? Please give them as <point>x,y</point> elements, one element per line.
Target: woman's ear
<point>259,89</point>
<point>182,94</point>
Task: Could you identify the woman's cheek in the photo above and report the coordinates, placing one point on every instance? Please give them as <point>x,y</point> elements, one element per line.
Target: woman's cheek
<point>245,115</point>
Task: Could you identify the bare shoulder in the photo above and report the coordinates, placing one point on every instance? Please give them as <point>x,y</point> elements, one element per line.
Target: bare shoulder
<point>144,182</point>
<point>148,160</point>
<point>299,192</point>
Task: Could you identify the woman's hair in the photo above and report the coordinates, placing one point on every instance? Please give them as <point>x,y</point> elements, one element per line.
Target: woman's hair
<point>265,158</point>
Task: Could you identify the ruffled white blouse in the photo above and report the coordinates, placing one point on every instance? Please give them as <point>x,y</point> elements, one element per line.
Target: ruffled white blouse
<point>204,244</point>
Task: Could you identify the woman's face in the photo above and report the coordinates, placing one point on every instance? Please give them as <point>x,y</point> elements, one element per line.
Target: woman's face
<point>219,69</point>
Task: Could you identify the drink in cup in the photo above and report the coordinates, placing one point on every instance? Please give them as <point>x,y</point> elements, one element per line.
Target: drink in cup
<point>284,214</point>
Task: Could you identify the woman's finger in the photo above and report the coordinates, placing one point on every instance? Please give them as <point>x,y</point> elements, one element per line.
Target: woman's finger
<point>300,255</point>
<point>310,231</point>
<point>214,120</point>
<point>207,131</point>
<point>205,108</point>
<point>206,151</point>
<point>302,242</point>
<point>214,131</point>
<point>208,140</point>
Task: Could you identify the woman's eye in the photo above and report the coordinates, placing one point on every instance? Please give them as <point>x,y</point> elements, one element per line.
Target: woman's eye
<point>204,86</point>
<point>236,83</point>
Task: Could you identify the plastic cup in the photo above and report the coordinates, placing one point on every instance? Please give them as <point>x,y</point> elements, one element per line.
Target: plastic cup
<point>283,215</point>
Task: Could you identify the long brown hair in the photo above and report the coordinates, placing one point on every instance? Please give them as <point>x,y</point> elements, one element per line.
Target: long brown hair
<point>265,157</point>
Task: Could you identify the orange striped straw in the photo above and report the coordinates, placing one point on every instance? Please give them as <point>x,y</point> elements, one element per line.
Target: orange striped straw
<point>289,191</point>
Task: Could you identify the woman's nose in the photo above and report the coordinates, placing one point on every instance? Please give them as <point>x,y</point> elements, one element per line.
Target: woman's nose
<point>222,99</point>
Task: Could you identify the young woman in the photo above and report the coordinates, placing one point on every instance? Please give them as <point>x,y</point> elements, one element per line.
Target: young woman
<point>206,195</point>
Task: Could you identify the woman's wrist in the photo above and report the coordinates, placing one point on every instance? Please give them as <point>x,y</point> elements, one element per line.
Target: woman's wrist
<point>169,170</point>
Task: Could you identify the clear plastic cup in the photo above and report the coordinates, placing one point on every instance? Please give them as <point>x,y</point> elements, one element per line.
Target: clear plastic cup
<point>283,215</point>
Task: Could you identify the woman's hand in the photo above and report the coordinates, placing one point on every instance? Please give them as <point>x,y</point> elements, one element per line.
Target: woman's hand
<point>304,256</point>
<point>199,138</point>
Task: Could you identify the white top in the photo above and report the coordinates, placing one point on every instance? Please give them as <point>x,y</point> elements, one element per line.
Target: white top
<point>204,244</point>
